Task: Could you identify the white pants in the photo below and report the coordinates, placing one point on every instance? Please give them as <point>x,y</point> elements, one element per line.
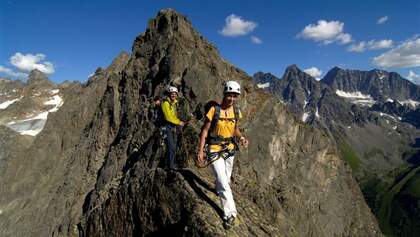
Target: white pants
<point>223,170</point>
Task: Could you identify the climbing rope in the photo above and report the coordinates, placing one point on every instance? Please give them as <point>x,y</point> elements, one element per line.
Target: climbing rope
<point>215,155</point>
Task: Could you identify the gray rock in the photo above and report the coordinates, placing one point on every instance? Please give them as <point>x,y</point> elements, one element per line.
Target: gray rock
<point>97,167</point>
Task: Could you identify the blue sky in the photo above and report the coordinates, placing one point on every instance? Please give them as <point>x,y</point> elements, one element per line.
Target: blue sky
<point>70,39</point>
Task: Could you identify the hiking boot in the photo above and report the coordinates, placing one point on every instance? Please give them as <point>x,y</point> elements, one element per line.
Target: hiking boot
<point>229,222</point>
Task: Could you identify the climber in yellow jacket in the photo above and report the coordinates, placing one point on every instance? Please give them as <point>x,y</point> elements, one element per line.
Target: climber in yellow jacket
<point>169,110</point>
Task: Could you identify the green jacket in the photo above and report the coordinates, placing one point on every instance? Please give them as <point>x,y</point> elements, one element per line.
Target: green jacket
<point>169,111</point>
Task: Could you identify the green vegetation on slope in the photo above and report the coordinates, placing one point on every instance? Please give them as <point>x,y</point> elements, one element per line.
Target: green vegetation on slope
<point>385,211</point>
<point>413,186</point>
<point>348,154</point>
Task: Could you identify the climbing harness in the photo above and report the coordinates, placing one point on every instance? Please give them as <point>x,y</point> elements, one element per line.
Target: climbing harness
<point>213,138</point>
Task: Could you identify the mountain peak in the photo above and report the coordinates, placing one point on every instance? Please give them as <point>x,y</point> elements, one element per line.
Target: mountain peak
<point>38,77</point>
<point>293,68</point>
<point>167,29</point>
<point>293,72</point>
<point>335,69</point>
<point>169,21</point>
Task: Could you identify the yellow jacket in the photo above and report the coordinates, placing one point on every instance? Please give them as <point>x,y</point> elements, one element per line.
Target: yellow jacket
<point>169,111</point>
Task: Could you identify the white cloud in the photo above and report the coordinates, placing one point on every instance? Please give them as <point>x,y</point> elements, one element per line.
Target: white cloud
<point>29,62</point>
<point>405,55</point>
<point>381,44</point>
<point>10,73</point>
<point>359,47</point>
<point>256,40</point>
<point>314,72</point>
<point>236,26</point>
<point>344,38</point>
<point>413,77</point>
<point>382,20</point>
<point>326,32</point>
<point>370,45</point>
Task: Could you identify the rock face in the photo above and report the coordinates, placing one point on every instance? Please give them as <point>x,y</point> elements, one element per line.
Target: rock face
<point>381,85</point>
<point>264,80</point>
<point>100,170</point>
<point>374,133</point>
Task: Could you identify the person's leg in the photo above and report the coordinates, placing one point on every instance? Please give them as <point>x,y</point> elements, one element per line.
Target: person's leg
<point>223,188</point>
<point>229,167</point>
<point>170,147</point>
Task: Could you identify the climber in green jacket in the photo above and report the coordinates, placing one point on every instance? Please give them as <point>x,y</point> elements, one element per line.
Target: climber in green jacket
<point>171,122</point>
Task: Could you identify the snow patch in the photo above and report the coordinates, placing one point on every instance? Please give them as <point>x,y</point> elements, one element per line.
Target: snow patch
<point>53,92</point>
<point>395,127</point>
<point>32,132</point>
<point>410,102</point>
<point>305,116</point>
<point>304,104</point>
<point>30,126</point>
<point>57,101</point>
<point>390,100</point>
<point>33,125</point>
<point>6,104</point>
<point>389,116</point>
<point>316,112</point>
<point>265,85</point>
<point>357,97</point>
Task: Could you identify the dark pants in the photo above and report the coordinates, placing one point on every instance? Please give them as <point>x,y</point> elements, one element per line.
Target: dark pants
<point>169,132</point>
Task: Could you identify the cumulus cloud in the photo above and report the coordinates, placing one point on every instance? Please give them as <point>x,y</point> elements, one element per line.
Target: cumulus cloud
<point>381,44</point>
<point>413,77</point>
<point>236,26</point>
<point>29,62</point>
<point>359,47</point>
<point>256,40</point>
<point>314,72</point>
<point>382,20</point>
<point>10,73</point>
<point>405,55</point>
<point>344,38</point>
<point>326,32</point>
<point>370,45</point>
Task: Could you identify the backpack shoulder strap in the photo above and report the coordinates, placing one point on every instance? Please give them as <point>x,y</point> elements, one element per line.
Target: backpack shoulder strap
<point>236,111</point>
<point>215,118</point>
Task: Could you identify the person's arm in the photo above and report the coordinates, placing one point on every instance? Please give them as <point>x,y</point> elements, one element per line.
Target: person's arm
<point>243,141</point>
<point>201,144</point>
<point>169,116</point>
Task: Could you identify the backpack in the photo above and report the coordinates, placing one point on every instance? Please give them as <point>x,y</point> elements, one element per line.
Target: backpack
<point>159,118</point>
<point>157,115</point>
<point>212,137</point>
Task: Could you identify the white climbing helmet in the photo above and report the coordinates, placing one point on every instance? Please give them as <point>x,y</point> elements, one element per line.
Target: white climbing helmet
<point>171,89</point>
<point>232,87</point>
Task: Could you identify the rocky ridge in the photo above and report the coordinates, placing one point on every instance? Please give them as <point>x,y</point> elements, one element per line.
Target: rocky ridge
<point>100,172</point>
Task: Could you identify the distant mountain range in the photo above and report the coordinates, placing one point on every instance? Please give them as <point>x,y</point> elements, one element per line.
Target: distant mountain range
<point>374,117</point>
<point>377,84</point>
